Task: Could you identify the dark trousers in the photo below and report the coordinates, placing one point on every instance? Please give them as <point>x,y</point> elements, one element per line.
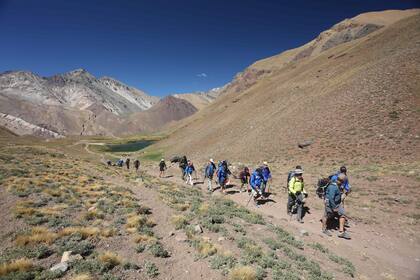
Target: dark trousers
<point>295,200</point>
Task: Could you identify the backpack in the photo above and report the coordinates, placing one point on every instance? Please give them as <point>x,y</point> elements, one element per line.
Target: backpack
<point>322,185</point>
<point>289,177</point>
<point>209,170</point>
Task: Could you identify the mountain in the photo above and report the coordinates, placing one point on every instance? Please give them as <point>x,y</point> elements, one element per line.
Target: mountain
<point>77,103</point>
<point>200,99</point>
<point>352,93</point>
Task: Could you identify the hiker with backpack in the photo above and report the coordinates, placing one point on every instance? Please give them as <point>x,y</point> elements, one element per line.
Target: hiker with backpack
<point>345,186</point>
<point>188,173</point>
<point>334,207</point>
<point>137,165</point>
<point>209,173</point>
<point>120,162</point>
<point>183,162</point>
<point>256,181</point>
<point>127,163</point>
<point>162,168</point>
<point>222,175</point>
<point>266,177</point>
<point>244,177</point>
<point>297,194</point>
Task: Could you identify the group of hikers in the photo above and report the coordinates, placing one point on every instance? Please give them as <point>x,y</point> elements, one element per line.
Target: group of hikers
<point>332,190</point>
<point>127,161</point>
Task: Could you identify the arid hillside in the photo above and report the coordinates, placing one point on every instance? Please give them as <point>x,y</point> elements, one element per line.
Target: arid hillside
<point>77,103</point>
<point>352,93</point>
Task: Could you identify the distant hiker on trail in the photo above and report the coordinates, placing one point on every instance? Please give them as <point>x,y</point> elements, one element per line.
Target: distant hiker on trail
<point>266,177</point>
<point>188,173</point>
<point>209,173</point>
<point>108,162</point>
<point>120,163</point>
<point>297,194</point>
<point>222,175</point>
<point>334,208</point>
<point>244,177</point>
<point>127,163</point>
<point>137,165</point>
<point>162,168</point>
<point>183,165</point>
<point>256,184</point>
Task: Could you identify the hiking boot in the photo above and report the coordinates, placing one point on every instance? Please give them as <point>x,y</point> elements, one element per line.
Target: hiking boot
<point>300,221</point>
<point>327,232</point>
<point>344,235</point>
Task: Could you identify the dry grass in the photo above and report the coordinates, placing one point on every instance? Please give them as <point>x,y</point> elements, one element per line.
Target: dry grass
<point>82,277</point>
<point>205,248</point>
<point>142,238</point>
<point>110,259</point>
<point>83,231</point>
<point>243,273</point>
<point>16,265</point>
<point>179,221</point>
<point>37,235</point>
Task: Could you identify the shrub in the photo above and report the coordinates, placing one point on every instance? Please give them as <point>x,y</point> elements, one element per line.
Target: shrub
<point>151,269</point>
<point>243,273</point>
<point>109,260</point>
<point>20,265</point>
<point>180,221</point>
<point>157,250</point>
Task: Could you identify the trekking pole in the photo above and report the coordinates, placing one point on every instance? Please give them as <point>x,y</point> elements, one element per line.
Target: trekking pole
<point>250,197</point>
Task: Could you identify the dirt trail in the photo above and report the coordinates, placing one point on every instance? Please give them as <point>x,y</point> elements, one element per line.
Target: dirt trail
<point>376,255</point>
<point>182,264</point>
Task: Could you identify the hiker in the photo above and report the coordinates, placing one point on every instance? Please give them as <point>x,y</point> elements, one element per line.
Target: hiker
<point>222,175</point>
<point>334,208</point>
<point>291,174</point>
<point>297,194</point>
<point>108,162</point>
<point>209,173</point>
<point>244,177</point>
<point>137,165</point>
<point>345,186</point>
<point>256,182</point>
<point>127,163</point>
<point>162,168</point>
<point>182,165</point>
<point>266,177</point>
<point>188,172</point>
<point>120,162</point>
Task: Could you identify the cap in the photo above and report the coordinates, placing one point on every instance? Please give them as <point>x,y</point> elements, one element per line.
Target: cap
<point>298,171</point>
<point>211,160</point>
<point>265,163</point>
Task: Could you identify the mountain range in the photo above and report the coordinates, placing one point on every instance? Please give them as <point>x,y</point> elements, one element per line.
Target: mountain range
<point>77,103</point>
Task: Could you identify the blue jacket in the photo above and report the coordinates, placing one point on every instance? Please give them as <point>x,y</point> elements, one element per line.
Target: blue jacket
<point>210,168</point>
<point>266,174</point>
<point>346,185</point>
<point>256,180</point>
<point>221,173</point>
<point>333,195</point>
<point>189,169</point>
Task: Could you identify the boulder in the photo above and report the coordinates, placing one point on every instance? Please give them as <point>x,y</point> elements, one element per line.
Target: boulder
<point>63,266</point>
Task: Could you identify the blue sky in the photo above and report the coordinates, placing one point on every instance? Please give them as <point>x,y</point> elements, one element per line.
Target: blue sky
<point>163,47</point>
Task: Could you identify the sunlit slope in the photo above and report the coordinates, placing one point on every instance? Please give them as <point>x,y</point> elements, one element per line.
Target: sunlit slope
<point>356,101</point>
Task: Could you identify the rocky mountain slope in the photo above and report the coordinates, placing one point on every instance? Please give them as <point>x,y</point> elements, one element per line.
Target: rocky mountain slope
<point>201,99</point>
<point>352,92</point>
<point>78,103</point>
